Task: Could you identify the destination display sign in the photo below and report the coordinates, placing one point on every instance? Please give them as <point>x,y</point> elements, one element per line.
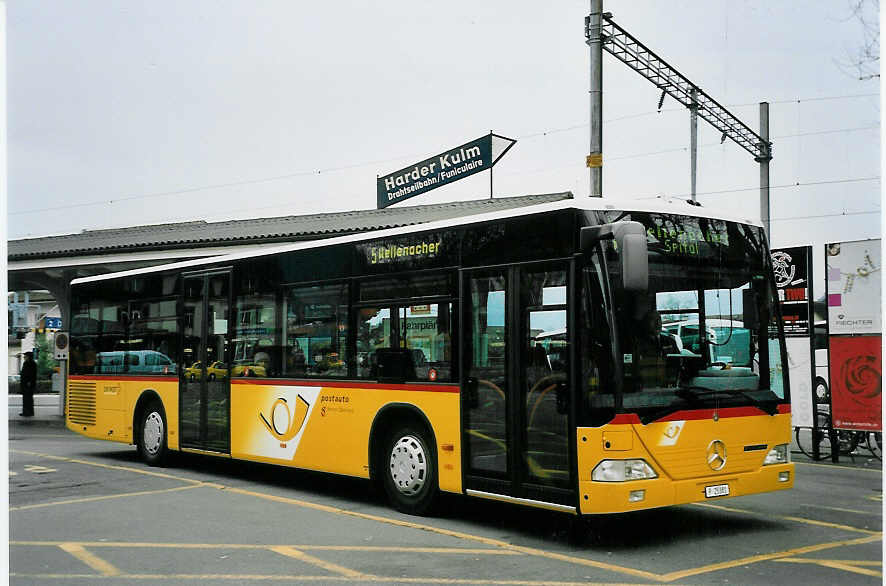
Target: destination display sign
<point>462,161</point>
<point>410,252</point>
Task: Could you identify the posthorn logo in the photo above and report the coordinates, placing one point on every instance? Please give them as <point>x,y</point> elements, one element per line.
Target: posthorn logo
<point>284,424</point>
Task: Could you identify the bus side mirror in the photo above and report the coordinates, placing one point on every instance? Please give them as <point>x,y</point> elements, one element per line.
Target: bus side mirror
<point>634,262</point>
<point>630,240</point>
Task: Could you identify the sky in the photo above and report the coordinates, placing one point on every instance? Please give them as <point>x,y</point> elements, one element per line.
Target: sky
<point>133,113</point>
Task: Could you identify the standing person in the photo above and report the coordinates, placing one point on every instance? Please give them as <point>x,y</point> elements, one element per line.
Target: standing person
<point>29,384</point>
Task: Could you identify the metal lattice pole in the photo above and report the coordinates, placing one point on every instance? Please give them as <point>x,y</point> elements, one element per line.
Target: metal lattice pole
<point>627,49</point>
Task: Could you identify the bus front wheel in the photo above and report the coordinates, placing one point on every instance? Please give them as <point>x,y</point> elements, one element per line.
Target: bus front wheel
<point>410,470</point>
<point>152,435</point>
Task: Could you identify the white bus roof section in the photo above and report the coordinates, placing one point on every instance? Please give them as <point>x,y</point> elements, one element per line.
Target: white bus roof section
<point>588,204</point>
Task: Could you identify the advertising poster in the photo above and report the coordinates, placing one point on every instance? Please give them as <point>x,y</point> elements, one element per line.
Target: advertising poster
<point>853,283</point>
<point>856,382</point>
<point>791,269</point>
<point>800,375</point>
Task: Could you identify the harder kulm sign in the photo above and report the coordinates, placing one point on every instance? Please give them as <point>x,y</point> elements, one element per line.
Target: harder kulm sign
<point>462,161</point>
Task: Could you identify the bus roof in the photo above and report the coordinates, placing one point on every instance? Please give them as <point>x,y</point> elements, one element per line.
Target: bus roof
<point>586,204</point>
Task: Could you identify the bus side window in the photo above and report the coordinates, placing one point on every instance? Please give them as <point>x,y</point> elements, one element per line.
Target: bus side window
<point>427,332</point>
<point>374,333</point>
<point>596,348</point>
<point>316,331</point>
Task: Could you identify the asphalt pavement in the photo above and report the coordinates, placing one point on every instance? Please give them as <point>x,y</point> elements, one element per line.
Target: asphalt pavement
<point>83,511</point>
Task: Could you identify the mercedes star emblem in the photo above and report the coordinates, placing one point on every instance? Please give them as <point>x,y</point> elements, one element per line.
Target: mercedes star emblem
<point>716,455</point>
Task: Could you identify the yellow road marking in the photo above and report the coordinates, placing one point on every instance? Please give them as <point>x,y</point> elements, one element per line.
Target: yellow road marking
<point>407,549</point>
<point>789,518</point>
<point>855,566</point>
<point>39,469</point>
<point>296,578</point>
<point>90,559</point>
<point>876,497</point>
<point>101,498</point>
<point>842,510</point>
<point>766,557</point>
<point>305,547</point>
<point>109,466</point>
<point>503,544</point>
<point>302,556</point>
<point>450,533</point>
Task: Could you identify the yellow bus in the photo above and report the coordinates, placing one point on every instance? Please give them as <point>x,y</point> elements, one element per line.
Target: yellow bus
<point>518,356</point>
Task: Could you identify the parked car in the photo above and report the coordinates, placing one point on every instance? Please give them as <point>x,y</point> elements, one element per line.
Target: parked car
<point>133,362</point>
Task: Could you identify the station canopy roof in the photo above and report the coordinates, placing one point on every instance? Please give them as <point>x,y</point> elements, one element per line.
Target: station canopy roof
<point>198,234</point>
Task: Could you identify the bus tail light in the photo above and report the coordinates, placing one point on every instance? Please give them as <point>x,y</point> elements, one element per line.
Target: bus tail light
<point>622,470</point>
<point>778,455</point>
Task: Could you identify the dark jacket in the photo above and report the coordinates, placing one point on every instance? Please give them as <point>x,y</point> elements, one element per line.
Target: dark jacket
<point>29,374</point>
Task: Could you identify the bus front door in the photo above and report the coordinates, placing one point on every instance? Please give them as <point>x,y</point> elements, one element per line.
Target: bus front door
<point>515,387</point>
<point>204,395</point>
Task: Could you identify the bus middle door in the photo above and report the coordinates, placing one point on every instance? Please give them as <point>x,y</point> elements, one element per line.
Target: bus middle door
<point>515,388</point>
<point>204,395</point>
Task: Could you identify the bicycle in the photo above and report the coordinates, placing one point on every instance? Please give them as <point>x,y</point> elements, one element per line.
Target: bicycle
<point>807,437</point>
<point>873,443</point>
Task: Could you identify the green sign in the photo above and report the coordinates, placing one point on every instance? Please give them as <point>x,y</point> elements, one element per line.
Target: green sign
<point>462,161</point>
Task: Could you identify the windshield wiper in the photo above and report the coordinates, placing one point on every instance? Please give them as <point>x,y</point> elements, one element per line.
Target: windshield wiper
<point>698,394</point>
<point>656,415</point>
<point>695,396</point>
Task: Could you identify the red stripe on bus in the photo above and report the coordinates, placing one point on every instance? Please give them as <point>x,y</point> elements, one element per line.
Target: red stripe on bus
<point>697,414</point>
<point>170,378</point>
<point>723,413</point>
<point>346,385</point>
<point>624,419</point>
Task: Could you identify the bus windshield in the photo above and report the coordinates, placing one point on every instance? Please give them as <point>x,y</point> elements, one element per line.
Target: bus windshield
<point>704,334</point>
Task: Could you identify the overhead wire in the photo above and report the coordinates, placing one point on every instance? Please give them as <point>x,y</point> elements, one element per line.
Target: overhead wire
<point>313,172</point>
<point>783,186</point>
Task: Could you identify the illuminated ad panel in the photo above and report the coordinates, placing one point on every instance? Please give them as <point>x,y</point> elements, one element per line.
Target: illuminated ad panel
<point>790,267</point>
<point>856,382</point>
<point>800,369</point>
<point>853,273</point>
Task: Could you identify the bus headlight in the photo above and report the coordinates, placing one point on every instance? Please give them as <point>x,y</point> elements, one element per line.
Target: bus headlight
<point>622,470</point>
<point>778,455</point>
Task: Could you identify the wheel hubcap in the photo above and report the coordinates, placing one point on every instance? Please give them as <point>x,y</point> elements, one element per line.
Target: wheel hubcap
<point>152,434</point>
<point>409,465</point>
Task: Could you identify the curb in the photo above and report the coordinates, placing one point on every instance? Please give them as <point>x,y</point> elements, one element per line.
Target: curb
<point>57,422</point>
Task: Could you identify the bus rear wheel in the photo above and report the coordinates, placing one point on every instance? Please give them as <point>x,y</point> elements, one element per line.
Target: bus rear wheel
<point>152,435</point>
<point>409,467</point>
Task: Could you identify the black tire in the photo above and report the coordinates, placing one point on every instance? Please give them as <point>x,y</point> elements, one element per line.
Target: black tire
<point>875,441</point>
<point>152,431</point>
<point>408,466</point>
<point>822,392</point>
<point>806,437</point>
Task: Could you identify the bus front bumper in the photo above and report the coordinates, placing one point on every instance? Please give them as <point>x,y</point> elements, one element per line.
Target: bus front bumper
<point>618,497</point>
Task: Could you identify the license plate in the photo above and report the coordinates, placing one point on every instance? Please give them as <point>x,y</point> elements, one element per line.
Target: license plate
<point>716,490</point>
